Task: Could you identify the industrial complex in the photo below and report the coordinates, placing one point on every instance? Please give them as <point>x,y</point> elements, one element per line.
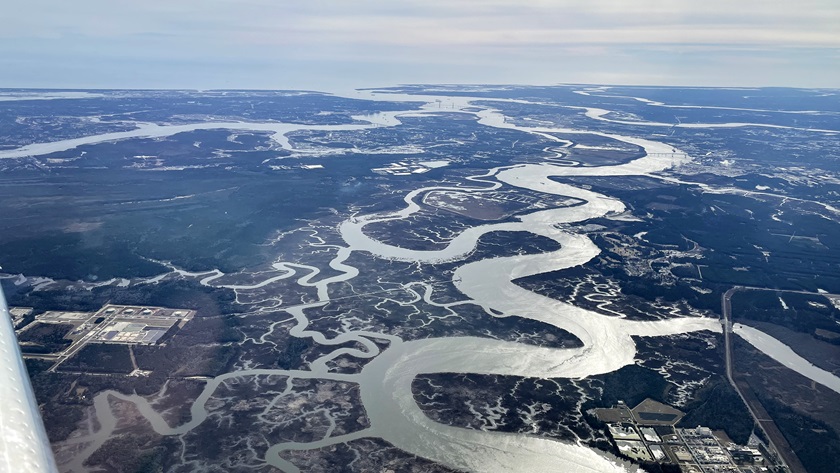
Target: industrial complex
<point>58,335</point>
<point>647,433</point>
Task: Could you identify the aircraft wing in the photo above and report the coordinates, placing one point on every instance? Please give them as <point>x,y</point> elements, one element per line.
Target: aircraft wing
<point>24,446</point>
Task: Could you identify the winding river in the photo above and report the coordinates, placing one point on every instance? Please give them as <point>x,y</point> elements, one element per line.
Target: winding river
<point>607,341</point>
<point>385,382</point>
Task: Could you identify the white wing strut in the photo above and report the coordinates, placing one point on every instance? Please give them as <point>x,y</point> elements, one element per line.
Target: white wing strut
<point>24,447</point>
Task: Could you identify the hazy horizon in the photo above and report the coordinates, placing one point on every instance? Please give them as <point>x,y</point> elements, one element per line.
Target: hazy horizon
<point>325,45</point>
<point>351,87</point>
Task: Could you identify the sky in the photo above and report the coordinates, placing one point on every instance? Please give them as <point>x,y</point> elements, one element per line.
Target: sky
<point>342,44</point>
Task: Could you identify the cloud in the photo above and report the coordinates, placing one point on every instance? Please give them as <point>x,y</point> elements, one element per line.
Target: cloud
<point>387,38</point>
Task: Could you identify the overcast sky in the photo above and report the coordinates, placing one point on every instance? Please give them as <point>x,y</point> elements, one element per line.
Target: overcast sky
<point>325,44</point>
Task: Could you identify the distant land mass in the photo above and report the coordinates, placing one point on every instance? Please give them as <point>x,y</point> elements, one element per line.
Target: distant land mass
<point>428,278</point>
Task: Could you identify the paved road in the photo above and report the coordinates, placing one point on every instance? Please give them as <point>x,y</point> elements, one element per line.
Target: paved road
<point>77,345</point>
<point>778,442</point>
